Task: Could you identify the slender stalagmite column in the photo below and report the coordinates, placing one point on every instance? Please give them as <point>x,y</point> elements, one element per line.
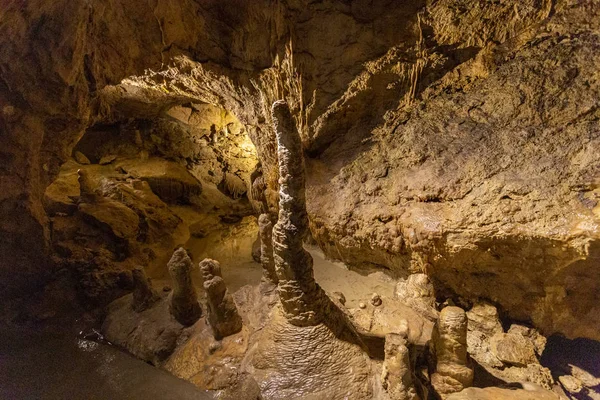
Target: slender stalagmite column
<point>300,295</point>
<point>265,231</point>
<point>223,315</point>
<point>144,296</point>
<point>265,227</point>
<point>452,372</point>
<point>183,300</point>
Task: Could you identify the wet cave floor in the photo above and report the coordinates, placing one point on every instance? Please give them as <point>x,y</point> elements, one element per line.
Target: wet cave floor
<point>66,360</point>
<point>55,362</point>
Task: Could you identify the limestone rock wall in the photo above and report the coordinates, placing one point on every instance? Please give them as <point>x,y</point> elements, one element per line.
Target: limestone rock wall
<point>453,138</point>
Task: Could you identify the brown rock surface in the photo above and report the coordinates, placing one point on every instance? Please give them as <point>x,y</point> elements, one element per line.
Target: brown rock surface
<point>530,393</point>
<point>448,138</point>
<point>222,312</point>
<point>170,181</point>
<point>144,296</point>
<point>513,349</point>
<point>462,138</point>
<point>396,373</point>
<point>183,300</point>
<point>150,334</point>
<point>452,370</point>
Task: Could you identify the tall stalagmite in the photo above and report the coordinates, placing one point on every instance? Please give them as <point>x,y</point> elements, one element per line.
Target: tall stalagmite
<point>298,291</point>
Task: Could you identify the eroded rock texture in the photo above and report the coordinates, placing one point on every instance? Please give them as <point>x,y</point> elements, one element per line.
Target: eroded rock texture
<point>183,300</point>
<point>300,295</point>
<point>452,370</point>
<point>222,312</point>
<point>460,143</point>
<point>265,231</point>
<point>396,375</point>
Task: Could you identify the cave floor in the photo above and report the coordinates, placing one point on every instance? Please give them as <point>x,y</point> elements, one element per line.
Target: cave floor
<point>52,364</point>
<point>232,247</point>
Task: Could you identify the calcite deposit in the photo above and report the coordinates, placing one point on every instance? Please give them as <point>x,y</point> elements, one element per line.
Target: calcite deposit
<point>453,371</point>
<point>397,372</point>
<point>222,313</point>
<point>441,156</point>
<point>183,300</point>
<point>300,295</point>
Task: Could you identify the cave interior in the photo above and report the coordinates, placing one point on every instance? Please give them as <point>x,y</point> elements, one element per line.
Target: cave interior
<point>297,199</point>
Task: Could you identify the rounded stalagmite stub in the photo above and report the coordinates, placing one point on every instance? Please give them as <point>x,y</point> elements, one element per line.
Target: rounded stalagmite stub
<point>183,300</point>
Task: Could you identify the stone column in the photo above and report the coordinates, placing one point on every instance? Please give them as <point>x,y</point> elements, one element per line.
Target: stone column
<point>298,290</point>
<point>452,372</point>
<point>144,296</point>
<point>183,300</point>
<point>396,374</point>
<point>222,313</point>
<point>265,231</point>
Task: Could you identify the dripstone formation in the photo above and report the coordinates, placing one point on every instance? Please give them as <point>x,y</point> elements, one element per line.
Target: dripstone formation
<point>222,314</point>
<point>452,372</point>
<point>183,300</point>
<point>144,296</point>
<point>396,376</point>
<point>265,231</point>
<point>298,291</point>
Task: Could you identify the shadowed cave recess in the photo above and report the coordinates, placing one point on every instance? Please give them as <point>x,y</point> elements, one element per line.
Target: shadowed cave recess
<point>293,199</point>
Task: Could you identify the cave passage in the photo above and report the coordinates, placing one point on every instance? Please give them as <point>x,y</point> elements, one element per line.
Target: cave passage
<point>292,199</point>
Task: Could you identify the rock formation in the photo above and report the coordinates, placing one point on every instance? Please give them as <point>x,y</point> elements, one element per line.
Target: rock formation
<point>265,225</point>
<point>86,186</point>
<point>510,356</point>
<point>144,296</point>
<point>299,293</point>
<point>396,374</point>
<point>452,371</point>
<point>183,300</point>
<point>417,292</point>
<point>265,231</point>
<point>222,312</point>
